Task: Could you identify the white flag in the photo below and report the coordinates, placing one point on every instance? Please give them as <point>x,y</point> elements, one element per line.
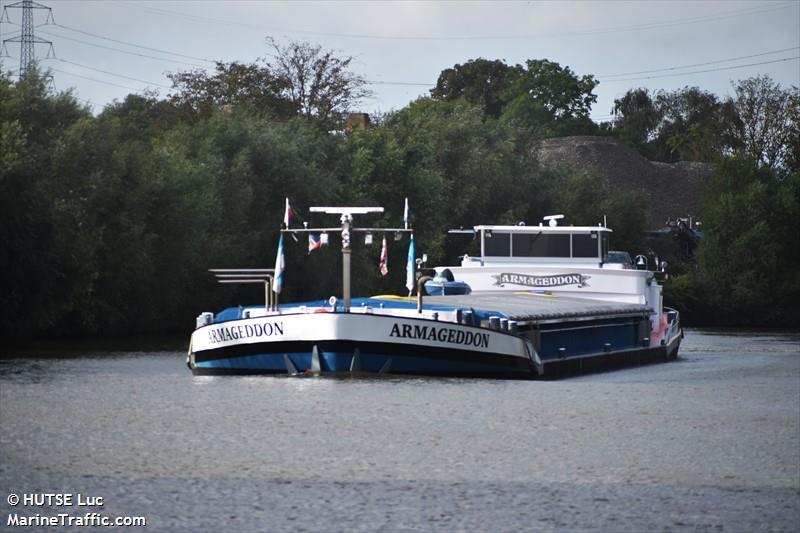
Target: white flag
<point>287,214</point>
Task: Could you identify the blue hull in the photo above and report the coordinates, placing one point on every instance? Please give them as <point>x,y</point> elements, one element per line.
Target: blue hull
<point>366,362</point>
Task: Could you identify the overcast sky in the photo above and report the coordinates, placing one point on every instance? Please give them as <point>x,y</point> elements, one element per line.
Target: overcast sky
<point>108,49</point>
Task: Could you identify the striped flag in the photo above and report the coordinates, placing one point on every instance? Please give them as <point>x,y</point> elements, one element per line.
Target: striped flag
<point>384,258</point>
<point>410,267</point>
<point>314,242</point>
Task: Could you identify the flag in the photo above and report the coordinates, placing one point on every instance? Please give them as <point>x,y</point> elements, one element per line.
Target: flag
<point>314,242</point>
<point>384,258</point>
<point>287,214</point>
<point>405,215</point>
<point>410,267</point>
<point>280,262</point>
<point>279,266</point>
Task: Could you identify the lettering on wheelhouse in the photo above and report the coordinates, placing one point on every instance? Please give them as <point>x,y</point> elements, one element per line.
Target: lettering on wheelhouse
<point>246,331</point>
<point>540,281</point>
<point>433,333</point>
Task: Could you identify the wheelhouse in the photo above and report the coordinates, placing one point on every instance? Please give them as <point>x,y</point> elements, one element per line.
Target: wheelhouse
<point>543,244</point>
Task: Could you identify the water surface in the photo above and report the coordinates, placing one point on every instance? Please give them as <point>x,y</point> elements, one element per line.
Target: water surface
<point>710,442</point>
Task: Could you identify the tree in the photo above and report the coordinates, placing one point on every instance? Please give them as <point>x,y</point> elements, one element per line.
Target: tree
<point>479,81</point>
<point>255,85</point>
<point>749,261</point>
<point>695,126</point>
<point>41,260</point>
<point>636,118</point>
<point>317,82</point>
<point>457,166</point>
<point>686,124</point>
<point>586,200</point>
<point>551,100</point>
<point>767,121</point>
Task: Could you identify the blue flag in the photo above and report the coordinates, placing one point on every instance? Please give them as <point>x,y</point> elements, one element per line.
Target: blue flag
<point>410,267</point>
<point>279,266</point>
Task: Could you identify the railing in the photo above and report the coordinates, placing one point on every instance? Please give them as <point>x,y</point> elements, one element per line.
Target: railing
<point>248,275</point>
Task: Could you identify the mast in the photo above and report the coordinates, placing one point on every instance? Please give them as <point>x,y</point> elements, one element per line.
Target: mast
<point>346,219</point>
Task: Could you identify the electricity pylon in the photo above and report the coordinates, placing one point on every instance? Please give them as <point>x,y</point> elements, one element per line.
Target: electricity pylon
<point>27,38</point>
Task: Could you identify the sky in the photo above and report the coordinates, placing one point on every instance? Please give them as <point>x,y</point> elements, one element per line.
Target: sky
<point>105,50</point>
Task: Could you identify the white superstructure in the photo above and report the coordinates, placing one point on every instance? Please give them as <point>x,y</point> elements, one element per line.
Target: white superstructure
<point>552,259</point>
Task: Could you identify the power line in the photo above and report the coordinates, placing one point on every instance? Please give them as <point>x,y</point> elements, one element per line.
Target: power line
<point>596,31</point>
<point>603,78</point>
<point>111,73</point>
<point>59,36</point>
<point>699,64</point>
<point>94,79</point>
<point>377,82</point>
<point>134,45</point>
<point>707,70</point>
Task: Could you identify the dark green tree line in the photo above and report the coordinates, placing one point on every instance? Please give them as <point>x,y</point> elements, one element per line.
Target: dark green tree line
<point>110,222</point>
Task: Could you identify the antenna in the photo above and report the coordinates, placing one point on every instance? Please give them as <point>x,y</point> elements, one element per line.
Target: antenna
<point>553,219</point>
<point>27,38</point>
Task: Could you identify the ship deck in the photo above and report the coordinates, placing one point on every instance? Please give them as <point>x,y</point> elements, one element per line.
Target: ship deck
<point>527,307</point>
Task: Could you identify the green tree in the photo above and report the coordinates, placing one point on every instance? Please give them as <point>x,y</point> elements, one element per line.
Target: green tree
<point>695,125</point>
<point>749,262</point>
<point>587,201</point>
<point>458,167</point>
<point>41,271</point>
<point>636,119</point>
<point>482,82</point>
<point>550,100</point>
<point>687,124</point>
<point>767,125</point>
<point>258,86</point>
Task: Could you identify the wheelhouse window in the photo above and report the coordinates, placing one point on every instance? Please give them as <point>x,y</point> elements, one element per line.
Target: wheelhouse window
<point>496,244</point>
<point>555,245</point>
<point>585,245</point>
<point>540,245</point>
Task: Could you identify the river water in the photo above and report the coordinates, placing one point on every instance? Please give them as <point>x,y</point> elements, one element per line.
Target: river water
<point>710,442</point>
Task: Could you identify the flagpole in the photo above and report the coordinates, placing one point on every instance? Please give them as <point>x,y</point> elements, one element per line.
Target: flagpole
<point>347,229</point>
<point>346,252</point>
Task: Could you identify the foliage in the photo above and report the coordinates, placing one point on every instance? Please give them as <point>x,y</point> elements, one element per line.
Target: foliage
<point>749,262</point>
<point>38,259</point>
<point>550,100</point>
<point>768,122</point>
<point>232,84</point>
<point>109,222</point>
<point>637,119</point>
<point>318,83</point>
<point>541,98</point>
<point>300,79</point>
<point>479,81</point>
<point>762,123</point>
<point>588,201</point>
<point>688,124</point>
